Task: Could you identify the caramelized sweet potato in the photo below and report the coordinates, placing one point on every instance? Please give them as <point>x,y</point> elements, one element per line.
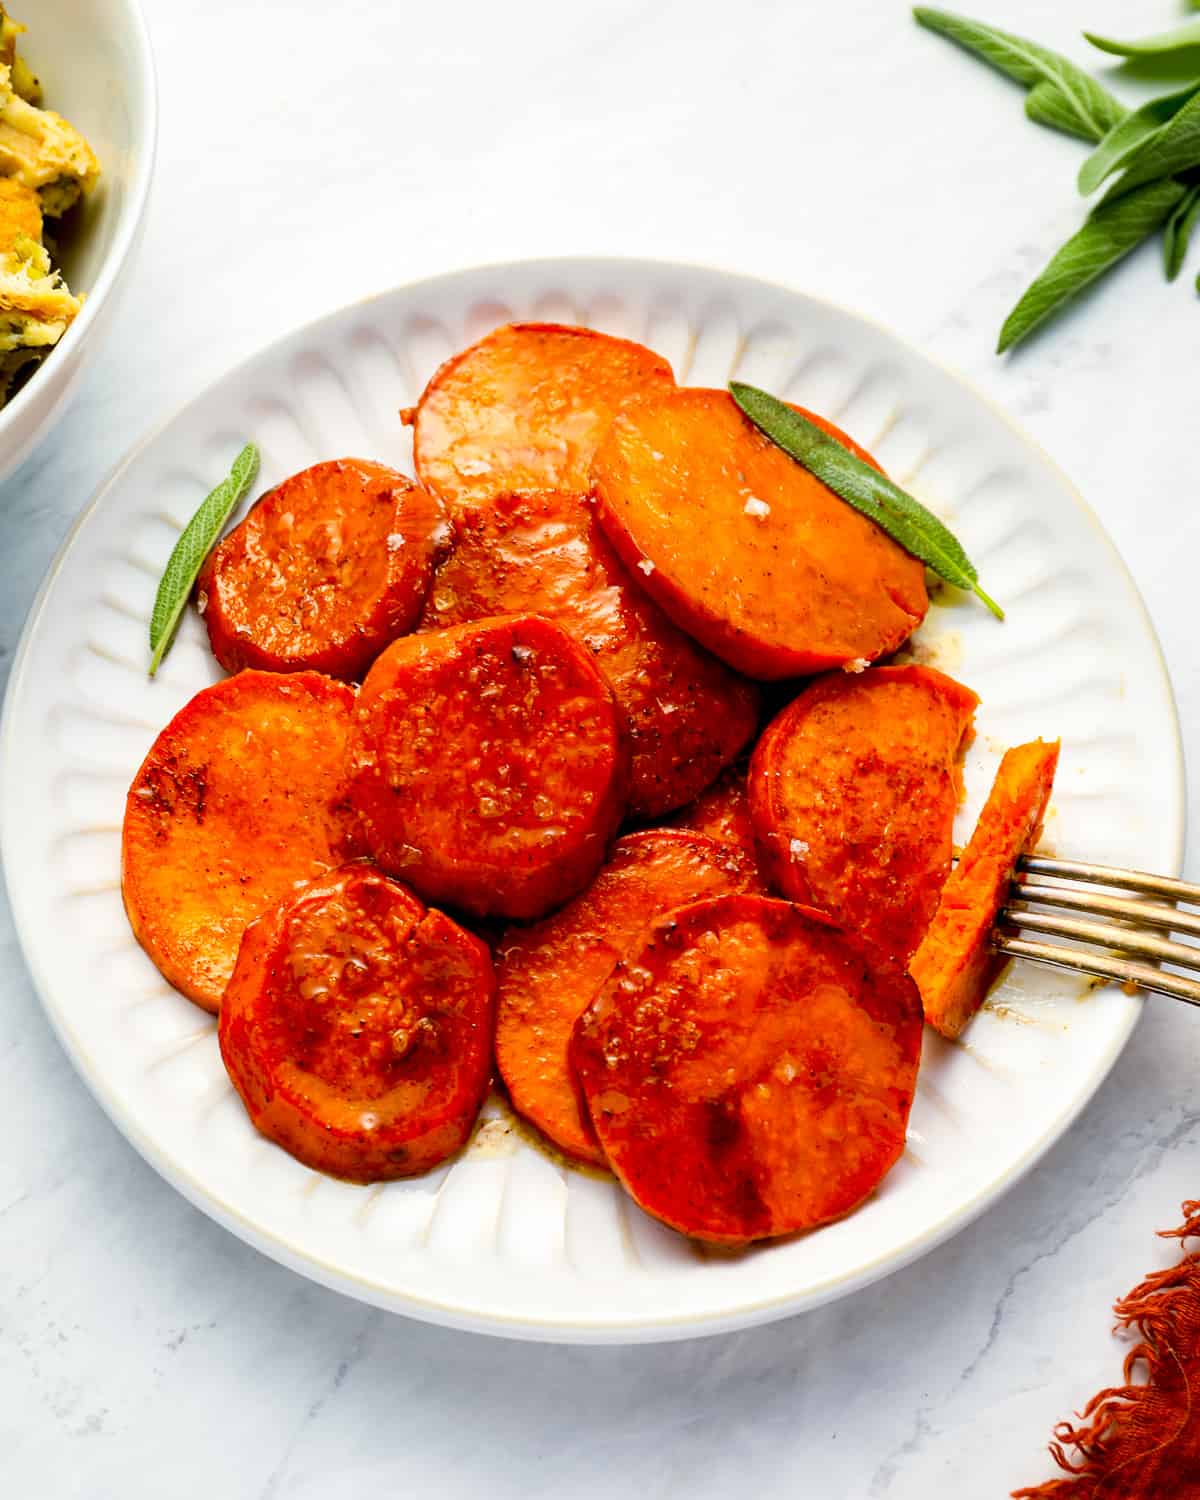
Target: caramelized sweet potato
<point>357,1027</point>
<point>745,549</point>
<point>748,1070</point>
<point>955,965</point>
<point>486,765</point>
<point>524,408</point>
<point>228,812</point>
<point>685,713</point>
<point>722,812</point>
<point>325,570</point>
<point>548,974</point>
<point>853,789</point>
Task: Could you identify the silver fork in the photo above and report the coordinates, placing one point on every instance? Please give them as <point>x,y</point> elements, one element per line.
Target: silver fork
<point>1118,934</point>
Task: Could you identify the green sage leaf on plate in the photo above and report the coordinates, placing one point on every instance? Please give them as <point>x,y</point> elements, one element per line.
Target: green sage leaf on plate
<point>1112,231</point>
<point>1091,109</point>
<point>196,541</point>
<point>1175,148</point>
<point>892,509</point>
<point>1183,38</point>
<point>1128,136</point>
<point>1178,233</point>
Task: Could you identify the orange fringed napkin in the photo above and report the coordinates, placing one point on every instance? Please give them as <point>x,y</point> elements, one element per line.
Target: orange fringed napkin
<point>1142,1442</point>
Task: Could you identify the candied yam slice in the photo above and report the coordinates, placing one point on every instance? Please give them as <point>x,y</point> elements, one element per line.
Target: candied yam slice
<point>853,790</point>
<point>486,767</point>
<point>745,549</point>
<point>524,409</point>
<point>357,1027</point>
<point>748,1069</point>
<point>325,570</point>
<point>229,811</point>
<point>955,965</point>
<point>722,812</point>
<point>685,714</point>
<point>549,973</point>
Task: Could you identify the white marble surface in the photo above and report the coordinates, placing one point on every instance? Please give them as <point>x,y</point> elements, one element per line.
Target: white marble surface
<point>309,155</point>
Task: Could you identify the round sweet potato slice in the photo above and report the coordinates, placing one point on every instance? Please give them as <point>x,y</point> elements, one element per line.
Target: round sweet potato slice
<point>549,973</point>
<point>486,767</point>
<point>325,570</point>
<point>685,713</point>
<point>749,1070</point>
<point>357,1027</point>
<point>744,548</point>
<point>722,812</point>
<point>853,790</point>
<point>524,408</point>
<point>229,811</point>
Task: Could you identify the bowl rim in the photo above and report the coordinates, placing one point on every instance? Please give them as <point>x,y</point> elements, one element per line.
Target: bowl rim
<point>145,78</point>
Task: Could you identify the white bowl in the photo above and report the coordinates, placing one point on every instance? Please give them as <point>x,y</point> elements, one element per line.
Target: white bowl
<point>94,60</point>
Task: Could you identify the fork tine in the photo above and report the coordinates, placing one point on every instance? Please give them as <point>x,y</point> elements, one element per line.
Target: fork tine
<point>1123,971</point>
<point>1127,880</point>
<point>1125,939</point>
<point>1095,903</point>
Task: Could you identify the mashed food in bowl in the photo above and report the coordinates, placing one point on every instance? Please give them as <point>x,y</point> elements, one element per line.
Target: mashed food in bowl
<point>46,166</point>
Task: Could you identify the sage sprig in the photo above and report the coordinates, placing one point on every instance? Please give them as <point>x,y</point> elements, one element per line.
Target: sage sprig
<point>1184,38</point>
<point>1155,150</point>
<point>196,541</point>
<point>1174,148</point>
<point>1130,135</point>
<point>1178,233</point>
<point>1113,230</point>
<point>892,509</point>
<point>1081,106</point>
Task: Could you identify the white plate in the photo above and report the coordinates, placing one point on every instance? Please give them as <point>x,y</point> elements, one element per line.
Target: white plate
<point>505,1240</point>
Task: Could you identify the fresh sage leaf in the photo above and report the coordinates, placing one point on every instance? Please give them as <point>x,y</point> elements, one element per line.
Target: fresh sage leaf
<point>1129,135</point>
<point>1093,111</point>
<point>196,541</point>
<point>1045,104</point>
<point>1175,148</point>
<point>895,511</point>
<point>1182,38</point>
<point>1112,231</point>
<point>1178,233</point>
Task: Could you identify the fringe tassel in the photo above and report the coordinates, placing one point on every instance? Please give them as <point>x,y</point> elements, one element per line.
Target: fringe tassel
<point>1142,1441</point>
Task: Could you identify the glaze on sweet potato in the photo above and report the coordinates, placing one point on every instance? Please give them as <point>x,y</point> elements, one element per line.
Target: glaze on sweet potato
<point>748,1070</point>
<point>956,965</point>
<point>549,973</point>
<point>685,713</point>
<point>853,789</point>
<point>486,768</point>
<point>357,1027</point>
<point>745,549</point>
<point>325,570</point>
<point>524,408</point>
<point>722,812</point>
<point>229,810</point>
